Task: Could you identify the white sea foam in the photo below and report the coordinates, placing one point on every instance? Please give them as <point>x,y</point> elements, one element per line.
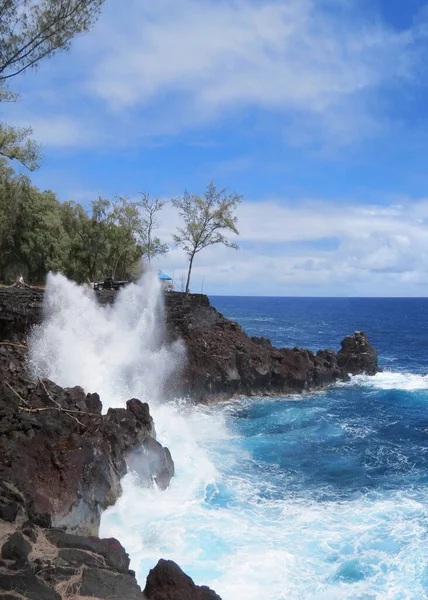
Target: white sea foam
<point>390,380</point>
<point>213,520</point>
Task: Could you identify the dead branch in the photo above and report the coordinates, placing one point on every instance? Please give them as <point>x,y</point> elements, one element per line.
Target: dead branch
<point>70,412</point>
<point>16,393</point>
<point>14,345</point>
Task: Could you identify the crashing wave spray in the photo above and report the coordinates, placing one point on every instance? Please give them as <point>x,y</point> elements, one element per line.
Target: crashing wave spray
<point>117,350</point>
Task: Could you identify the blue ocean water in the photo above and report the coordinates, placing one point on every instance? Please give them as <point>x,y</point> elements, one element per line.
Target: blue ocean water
<point>355,445</point>
<point>316,497</point>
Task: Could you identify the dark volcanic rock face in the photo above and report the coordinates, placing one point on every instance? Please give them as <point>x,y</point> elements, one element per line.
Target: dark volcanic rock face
<point>49,564</point>
<point>357,355</point>
<point>59,450</point>
<point>224,361</point>
<point>168,582</point>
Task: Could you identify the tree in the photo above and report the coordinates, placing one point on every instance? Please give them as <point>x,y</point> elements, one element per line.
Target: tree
<point>31,30</point>
<point>89,239</point>
<point>32,237</point>
<point>124,224</point>
<point>152,245</point>
<point>205,219</point>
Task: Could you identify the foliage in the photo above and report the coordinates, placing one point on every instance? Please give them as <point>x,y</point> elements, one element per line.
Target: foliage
<point>31,30</point>
<point>205,220</point>
<point>15,144</point>
<point>32,239</point>
<point>39,234</point>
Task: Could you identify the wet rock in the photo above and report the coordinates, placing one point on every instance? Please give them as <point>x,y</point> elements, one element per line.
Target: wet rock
<point>71,467</point>
<point>168,582</point>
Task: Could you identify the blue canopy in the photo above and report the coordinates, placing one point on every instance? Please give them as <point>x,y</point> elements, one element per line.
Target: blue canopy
<point>165,277</point>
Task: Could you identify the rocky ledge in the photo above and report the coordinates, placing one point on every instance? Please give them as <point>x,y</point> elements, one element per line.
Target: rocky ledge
<point>223,361</point>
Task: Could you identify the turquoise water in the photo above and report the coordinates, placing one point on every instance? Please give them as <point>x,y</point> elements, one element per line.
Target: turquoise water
<point>318,497</point>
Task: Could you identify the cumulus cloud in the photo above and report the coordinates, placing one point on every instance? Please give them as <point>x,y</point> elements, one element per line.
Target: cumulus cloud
<point>377,250</point>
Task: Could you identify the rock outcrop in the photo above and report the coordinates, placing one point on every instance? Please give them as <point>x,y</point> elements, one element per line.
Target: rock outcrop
<point>223,361</point>
<point>49,564</point>
<point>357,356</point>
<point>60,451</point>
<point>168,582</point>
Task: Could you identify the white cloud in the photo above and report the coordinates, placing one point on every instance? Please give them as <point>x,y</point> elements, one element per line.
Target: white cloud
<point>380,250</point>
<point>212,57</point>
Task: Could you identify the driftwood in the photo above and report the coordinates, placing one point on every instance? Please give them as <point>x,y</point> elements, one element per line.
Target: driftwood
<point>70,412</point>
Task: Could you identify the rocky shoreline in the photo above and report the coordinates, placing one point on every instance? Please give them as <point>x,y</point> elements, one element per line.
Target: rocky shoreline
<point>61,460</point>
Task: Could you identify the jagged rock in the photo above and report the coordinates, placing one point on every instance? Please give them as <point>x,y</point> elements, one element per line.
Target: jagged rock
<point>168,582</point>
<point>28,585</point>
<point>16,548</point>
<point>223,361</point>
<point>357,355</point>
<point>104,584</point>
<point>109,548</point>
<point>72,468</point>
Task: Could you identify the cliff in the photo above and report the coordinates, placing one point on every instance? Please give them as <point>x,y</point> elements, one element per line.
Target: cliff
<point>223,361</point>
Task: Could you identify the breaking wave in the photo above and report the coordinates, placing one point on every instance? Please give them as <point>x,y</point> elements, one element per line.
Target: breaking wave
<point>318,498</point>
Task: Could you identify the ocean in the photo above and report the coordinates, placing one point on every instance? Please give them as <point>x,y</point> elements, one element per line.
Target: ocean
<point>322,496</point>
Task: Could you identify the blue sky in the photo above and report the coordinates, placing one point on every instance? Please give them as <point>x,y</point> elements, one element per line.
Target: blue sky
<point>314,110</point>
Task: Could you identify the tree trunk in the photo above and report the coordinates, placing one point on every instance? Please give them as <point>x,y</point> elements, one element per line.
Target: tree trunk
<point>188,273</point>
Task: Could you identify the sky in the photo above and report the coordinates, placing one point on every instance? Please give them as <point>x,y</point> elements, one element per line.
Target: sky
<point>314,110</point>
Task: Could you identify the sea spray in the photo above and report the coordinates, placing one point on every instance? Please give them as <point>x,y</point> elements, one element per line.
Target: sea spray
<point>117,350</point>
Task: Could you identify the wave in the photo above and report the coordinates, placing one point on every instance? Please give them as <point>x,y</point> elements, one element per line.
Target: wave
<point>391,380</point>
<point>242,531</point>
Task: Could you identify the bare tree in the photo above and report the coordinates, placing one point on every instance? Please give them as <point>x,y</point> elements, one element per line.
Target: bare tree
<point>152,244</point>
<point>205,220</point>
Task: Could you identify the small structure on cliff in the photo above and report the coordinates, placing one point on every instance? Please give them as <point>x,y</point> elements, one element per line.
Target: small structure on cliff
<point>166,280</point>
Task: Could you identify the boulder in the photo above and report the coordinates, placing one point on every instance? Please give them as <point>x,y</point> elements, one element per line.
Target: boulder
<point>357,355</point>
<point>166,581</point>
